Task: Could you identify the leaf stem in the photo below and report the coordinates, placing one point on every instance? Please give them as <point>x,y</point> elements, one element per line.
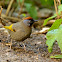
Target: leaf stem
<point>56,8</point>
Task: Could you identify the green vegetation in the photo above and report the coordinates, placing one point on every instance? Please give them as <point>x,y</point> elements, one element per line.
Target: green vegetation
<point>52,36</point>
<point>55,33</point>
<point>59,13</point>
<point>30,5</point>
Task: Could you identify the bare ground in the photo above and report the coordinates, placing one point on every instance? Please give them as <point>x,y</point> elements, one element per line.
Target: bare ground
<point>36,49</point>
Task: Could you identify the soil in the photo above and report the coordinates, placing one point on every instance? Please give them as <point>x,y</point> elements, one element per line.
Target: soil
<point>35,49</point>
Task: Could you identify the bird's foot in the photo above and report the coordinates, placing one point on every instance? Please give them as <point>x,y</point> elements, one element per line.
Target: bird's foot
<point>9,44</point>
<point>24,46</point>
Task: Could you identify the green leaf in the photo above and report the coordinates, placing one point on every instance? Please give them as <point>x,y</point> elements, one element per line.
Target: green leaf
<point>56,56</point>
<point>32,10</point>
<point>53,35</point>
<point>45,22</point>
<point>56,24</point>
<point>59,37</point>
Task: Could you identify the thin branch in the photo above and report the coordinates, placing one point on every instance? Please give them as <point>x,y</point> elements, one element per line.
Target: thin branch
<point>0,16</point>
<point>0,11</point>
<point>4,20</point>
<point>56,8</point>
<point>59,3</point>
<point>11,18</point>
<point>9,7</point>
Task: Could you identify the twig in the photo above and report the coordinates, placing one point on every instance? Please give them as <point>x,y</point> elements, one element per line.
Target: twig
<point>21,7</point>
<point>9,7</point>
<point>0,16</point>
<point>44,30</point>
<point>4,20</point>
<point>0,11</point>
<point>56,8</point>
<point>11,18</point>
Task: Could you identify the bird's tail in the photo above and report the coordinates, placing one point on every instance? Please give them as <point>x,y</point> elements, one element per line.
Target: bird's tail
<point>9,27</point>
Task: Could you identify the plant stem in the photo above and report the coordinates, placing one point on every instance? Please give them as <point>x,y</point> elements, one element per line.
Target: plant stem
<point>0,11</point>
<point>56,8</point>
<point>9,7</point>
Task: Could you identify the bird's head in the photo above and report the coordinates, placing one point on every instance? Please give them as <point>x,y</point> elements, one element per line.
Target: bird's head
<point>29,21</point>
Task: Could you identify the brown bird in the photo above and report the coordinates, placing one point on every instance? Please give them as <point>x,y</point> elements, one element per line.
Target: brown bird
<point>21,30</point>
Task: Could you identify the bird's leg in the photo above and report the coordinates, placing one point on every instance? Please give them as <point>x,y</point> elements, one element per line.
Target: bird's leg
<point>11,44</point>
<point>2,46</point>
<point>24,46</point>
<point>9,38</point>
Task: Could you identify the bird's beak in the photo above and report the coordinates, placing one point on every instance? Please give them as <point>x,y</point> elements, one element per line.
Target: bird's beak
<point>35,20</point>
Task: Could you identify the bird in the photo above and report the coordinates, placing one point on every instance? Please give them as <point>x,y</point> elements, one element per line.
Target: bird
<point>21,30</point>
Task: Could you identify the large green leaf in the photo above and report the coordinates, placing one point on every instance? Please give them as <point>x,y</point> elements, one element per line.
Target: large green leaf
<point>53,35</point>
<point>56,24</point>
<point>59,37</point>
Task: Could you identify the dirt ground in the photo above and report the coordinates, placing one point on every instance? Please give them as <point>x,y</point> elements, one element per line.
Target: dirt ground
<point>36,49</point>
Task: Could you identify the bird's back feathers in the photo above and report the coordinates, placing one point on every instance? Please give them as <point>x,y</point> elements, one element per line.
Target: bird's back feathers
<point>21,31</point>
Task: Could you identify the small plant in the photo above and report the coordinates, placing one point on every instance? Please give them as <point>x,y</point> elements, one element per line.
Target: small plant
<point>55,32</point>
